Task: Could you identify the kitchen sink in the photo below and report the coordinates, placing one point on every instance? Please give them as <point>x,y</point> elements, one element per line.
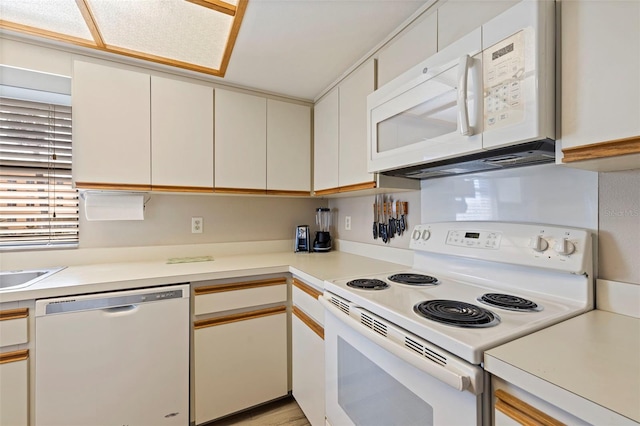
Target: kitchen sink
<point>10,280</point>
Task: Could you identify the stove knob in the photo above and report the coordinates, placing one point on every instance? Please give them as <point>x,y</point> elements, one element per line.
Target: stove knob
<point>416,234</point>
<point>539,244</point>
<point>564,246</point>
<point>426,234</point>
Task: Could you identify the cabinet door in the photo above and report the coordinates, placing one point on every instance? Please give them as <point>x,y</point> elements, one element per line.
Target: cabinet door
<point>308,370</point>
<point>288,146</point>
<point>600,72</point>
<point>239,363</point>
<point>111,126</point>
<point>457,18</point>
<point>352,157</point>
<point>325,142</point>
<point>14,393</point>
<point>240,141</point>
<point>181,134</point>
<point>409,48</point>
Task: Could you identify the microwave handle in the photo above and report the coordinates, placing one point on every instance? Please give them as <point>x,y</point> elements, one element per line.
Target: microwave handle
<point>463,111</point>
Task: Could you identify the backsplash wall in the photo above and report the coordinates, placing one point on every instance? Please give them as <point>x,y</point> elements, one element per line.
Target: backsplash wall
<point>226,219</point>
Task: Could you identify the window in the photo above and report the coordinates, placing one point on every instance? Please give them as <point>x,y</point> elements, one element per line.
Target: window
<point>38,205</point>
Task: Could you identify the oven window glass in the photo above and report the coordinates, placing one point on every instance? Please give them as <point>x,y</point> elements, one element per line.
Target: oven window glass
<point>370,396</point>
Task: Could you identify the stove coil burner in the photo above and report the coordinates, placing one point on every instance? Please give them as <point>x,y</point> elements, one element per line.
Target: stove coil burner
<point>509,302</point>
<point>459,314</point>
<point>368,284</point>
<point>414,279</point>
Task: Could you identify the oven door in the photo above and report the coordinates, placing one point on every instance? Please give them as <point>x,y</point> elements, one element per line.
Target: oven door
<point>370,381</point>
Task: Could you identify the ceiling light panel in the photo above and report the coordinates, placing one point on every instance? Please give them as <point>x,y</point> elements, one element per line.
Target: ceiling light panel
<point>173,29</point>
<point>59,16</point>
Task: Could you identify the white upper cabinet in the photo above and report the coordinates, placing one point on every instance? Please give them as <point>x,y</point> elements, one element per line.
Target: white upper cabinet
<point>240,141</point>
<point>352,156</point>
<point>409,48</point>
<point>111,126</point>
<point>288,147</point>
<point>181,134</point>
<point>457,18</point>
<point>325,142</point>
<point>601,84</point>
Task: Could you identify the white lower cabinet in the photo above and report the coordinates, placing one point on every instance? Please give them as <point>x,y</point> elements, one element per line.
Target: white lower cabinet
<point>307,352</point>
<point>14,367</point>
<point>240,347</point>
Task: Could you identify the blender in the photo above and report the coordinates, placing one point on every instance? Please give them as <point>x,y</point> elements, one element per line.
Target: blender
<point>322,241</point>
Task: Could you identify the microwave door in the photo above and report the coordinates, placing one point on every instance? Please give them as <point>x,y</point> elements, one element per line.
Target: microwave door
<point>427,122</point>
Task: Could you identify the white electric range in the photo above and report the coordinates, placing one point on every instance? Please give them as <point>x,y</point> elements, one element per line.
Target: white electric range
<point>472,286</point>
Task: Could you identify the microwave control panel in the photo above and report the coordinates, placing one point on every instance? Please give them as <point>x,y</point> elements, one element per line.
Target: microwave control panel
<point>504,73</point>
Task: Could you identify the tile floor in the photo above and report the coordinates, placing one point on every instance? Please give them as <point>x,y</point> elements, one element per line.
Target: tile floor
<point>284,412</point>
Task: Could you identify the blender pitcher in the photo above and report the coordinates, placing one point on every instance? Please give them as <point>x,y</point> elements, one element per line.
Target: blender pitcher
<point>322,241</point>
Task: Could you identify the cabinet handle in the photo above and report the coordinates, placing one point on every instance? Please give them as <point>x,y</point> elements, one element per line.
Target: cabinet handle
<point>522,412</point>
<point>309,322</point>
<point>11,314</point>
<point>218,288</point>
<point>14,356</point>
<point>243,316</point>
<point>307,288</point>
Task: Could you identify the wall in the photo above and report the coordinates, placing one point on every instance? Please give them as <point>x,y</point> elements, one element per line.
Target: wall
<point>619,225</point>
<point>226,219</point>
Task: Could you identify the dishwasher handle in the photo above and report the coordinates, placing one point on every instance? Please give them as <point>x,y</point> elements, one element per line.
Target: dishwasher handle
<point>119,310</point>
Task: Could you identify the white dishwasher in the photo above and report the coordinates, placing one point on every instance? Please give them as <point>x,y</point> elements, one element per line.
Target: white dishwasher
<point>118,358</point>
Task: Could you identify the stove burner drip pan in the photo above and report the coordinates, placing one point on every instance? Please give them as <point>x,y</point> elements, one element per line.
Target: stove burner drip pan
<point>368,284</point>
<point>456,313</point>
<point>414,279</point>
<point>509,302</point>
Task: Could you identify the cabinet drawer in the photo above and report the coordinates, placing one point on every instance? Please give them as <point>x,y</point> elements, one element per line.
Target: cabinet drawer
<point>226,297</point>
<point>14,326</point>
<point>305,297</point>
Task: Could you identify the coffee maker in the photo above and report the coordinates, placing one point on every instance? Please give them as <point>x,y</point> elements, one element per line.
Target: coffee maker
<point>322,242</point>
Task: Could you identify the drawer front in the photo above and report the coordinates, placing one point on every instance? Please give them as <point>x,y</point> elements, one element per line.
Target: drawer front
<point>226,297</point>
<point>14,327</point>
<point>305,297</point>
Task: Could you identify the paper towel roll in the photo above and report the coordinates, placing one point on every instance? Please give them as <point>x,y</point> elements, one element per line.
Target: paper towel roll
<point>99,206</point>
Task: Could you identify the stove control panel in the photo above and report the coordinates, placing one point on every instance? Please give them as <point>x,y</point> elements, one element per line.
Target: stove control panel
<point>546,246</point>
<point>476,239</point>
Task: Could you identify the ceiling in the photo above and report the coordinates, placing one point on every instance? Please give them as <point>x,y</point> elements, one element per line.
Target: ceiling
<point>295,48</point>
<point>299,47</point>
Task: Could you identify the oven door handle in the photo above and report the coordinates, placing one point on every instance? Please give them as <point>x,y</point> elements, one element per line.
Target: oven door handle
<point>440,372</point>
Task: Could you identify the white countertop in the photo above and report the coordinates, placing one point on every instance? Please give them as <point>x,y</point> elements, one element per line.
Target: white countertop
<point>594,357</point>
<point>312,267</point>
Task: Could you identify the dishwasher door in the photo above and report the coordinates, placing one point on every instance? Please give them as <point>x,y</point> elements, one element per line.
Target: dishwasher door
<point>119,358</point>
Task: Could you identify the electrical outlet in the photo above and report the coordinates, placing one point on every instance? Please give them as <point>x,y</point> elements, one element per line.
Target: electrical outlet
<point>347,223</point>
<point>197,224</point>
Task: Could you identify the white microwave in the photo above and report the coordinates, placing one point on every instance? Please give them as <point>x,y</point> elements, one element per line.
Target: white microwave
<point>485,101</point>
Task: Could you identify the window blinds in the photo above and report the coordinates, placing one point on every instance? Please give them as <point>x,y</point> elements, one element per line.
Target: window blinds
<point>38,205</point>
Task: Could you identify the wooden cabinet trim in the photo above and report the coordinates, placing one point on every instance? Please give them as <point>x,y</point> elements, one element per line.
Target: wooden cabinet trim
<point>113,186</point>
<point>14,356</point>
<point>357,187</point>
<point>602,150</point>
<point>327,191</point>
<point>170,188</point>
<point>309,322</point>
<point>245,191</point>
<point>288,192</point>
<point>11,314</point>
<point>522,412</point>
<point>307,288</point>
<point>219,288</point>
<point>243,316</point>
